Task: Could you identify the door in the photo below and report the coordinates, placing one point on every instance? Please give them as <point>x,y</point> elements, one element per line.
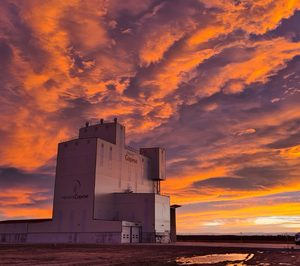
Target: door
<point>125,237</point>
<point>135,234</point>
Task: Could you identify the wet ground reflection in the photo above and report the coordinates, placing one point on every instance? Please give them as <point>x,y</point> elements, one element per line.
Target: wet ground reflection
<point>239,259</point>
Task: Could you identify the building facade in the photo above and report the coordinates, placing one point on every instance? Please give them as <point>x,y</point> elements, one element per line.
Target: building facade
<point>105,192</point>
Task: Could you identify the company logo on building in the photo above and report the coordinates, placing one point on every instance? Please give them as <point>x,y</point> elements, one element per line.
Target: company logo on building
<point>76,192</point>
<point>130,158</point>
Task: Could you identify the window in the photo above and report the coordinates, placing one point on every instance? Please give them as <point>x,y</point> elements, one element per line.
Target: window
<point>129,171</point>
<point>110,153</point>
<point>101,154</point>
<point>110,158</point>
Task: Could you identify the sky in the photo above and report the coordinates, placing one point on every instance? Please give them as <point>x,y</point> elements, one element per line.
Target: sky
<point>215,82</point>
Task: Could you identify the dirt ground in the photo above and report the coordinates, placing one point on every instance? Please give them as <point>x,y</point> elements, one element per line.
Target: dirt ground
<point>136,255</point>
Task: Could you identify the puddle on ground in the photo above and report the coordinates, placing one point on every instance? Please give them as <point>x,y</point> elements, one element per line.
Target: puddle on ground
<point>215,258</point>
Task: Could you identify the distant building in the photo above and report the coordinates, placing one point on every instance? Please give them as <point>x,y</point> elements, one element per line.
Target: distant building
<point>105,192</point>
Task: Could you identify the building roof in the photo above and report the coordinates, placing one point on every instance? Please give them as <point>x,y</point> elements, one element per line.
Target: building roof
<point>175,206</point>
<point>25,221</point>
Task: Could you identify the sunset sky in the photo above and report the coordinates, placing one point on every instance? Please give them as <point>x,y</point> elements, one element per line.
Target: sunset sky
<point>215,82</point>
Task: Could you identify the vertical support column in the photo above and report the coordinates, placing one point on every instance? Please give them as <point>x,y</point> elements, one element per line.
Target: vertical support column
<point>173,222</point>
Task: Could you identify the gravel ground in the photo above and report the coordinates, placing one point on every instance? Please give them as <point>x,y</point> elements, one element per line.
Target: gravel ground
<point>137,255</point>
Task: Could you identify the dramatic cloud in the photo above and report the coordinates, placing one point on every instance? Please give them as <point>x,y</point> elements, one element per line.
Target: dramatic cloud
<point>25,194</point>
<point>216,82</point>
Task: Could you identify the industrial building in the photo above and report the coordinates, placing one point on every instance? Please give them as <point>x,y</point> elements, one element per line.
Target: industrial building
<point>105,192</point>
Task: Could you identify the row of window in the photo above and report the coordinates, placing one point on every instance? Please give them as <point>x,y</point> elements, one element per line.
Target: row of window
<point>102,155</point>
<point>132,169</point>
<point>133,236</point>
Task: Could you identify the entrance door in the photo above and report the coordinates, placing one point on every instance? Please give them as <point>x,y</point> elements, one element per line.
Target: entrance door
<point>135,234</point>
<point>125,234</point>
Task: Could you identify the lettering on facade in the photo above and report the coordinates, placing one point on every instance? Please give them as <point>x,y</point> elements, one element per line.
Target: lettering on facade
<point>130,159</point>
<point>76,191</point>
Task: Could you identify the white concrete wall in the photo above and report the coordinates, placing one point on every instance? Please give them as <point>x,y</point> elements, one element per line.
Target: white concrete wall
<point>162,214</point>
<point>74,185</point>
<point>91,226</point>
<point>151,210</point>
<point>137,207</point>
<point>118,169</point>
<point>44,232</point>
<point>92,238</point>
<point>158,162</point>
<point>13,228</point>
<point>13,238</point>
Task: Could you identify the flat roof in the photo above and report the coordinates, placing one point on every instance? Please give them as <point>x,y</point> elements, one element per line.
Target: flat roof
<point>25,221</point>
<point>175,206</point>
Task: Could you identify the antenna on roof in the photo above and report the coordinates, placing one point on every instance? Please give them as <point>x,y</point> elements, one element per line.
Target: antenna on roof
<point>101,121</point>
<point>87,124</point>
<point>116,120</point>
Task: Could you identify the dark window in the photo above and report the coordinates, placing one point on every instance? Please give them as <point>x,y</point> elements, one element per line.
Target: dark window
<point>110,153</point>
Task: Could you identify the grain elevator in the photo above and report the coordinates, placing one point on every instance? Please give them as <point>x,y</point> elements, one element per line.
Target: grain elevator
<point>105,192</point>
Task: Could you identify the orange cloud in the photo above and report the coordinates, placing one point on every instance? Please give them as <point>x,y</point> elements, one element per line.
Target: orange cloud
<point>15,198</point>
<point>13,212</point>
<point>32,141</point>
<point>239,219</point>
<point>291,153</point>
